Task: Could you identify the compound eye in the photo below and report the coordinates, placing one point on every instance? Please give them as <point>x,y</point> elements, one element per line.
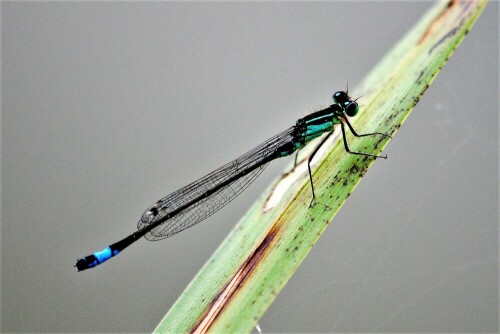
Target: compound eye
<point>340,97</point>
<point>352,109</point>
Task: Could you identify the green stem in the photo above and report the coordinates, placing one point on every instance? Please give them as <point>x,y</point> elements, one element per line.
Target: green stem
<point>242,278</point>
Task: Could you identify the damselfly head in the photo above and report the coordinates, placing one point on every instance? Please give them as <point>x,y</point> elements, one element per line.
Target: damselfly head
<point>349,106</point>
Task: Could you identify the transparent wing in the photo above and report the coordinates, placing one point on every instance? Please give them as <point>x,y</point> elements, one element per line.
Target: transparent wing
<point>202,198</point>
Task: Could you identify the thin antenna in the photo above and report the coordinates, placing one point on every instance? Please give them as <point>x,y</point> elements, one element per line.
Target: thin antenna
<point>358,98</point>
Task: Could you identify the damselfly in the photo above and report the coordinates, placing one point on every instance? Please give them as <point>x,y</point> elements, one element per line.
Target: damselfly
<point>197,201</point>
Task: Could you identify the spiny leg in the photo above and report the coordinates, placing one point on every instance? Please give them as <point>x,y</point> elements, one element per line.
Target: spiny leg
<point>346,146</point>
<point>309,164</point>
<point>366,134</point>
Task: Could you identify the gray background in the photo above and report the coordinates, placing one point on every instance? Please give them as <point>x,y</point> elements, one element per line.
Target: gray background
<point>109,106</point>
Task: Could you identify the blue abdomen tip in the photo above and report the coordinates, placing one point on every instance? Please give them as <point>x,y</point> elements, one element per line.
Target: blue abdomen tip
<point>103,255</point>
